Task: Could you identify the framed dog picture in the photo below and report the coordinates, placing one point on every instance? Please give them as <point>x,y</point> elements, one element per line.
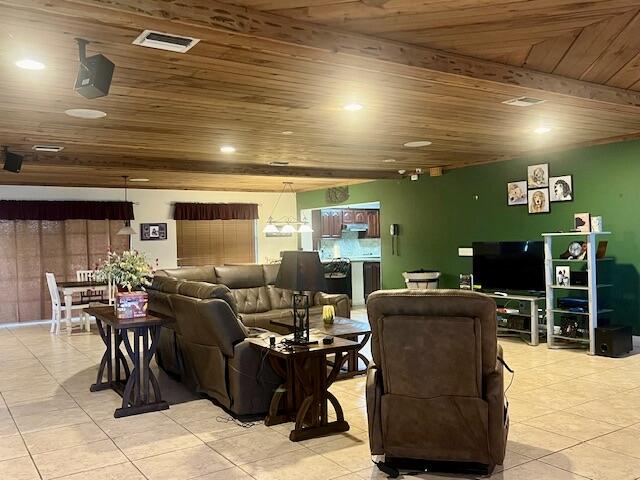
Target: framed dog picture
<point>538,200</point>
<point>153,231</point>
<point>561,188</point>
<point>517,193</point>
<point>538,175</point>
<point>563,275</point>
<point>582,222</point>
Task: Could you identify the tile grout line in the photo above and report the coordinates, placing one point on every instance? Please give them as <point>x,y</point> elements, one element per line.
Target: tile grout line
<point>87,414</point>
<point>22,438</point>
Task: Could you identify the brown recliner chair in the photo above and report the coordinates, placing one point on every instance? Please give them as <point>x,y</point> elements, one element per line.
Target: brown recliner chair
<point>218,360</point>
<point>435,387</point>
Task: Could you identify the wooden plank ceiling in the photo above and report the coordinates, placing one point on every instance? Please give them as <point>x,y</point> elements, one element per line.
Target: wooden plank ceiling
<point>263,70</point>
<point>597,41</point>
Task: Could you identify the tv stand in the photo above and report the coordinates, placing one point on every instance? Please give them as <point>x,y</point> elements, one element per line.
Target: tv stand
<point>534,317</point>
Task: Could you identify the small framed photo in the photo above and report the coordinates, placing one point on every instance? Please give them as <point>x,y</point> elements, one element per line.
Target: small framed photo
<point>517,193</point>
<point>561,188</point>
<point>538,200</point>
<point>538,175</point>
<point>582,222</point>
<point>563,276</point>
<point>153,231</point>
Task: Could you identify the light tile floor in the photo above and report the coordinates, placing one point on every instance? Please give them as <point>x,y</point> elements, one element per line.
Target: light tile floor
<point>573,417</point>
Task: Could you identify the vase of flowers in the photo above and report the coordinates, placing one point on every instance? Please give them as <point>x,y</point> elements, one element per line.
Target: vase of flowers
<point>130,271</point>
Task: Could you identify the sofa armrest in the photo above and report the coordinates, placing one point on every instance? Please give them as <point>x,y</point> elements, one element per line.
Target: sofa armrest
<point>340,302</point>
<point>498,411</point>
<point>374,392</point>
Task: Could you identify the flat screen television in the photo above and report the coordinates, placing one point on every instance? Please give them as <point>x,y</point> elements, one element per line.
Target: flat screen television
<point>503,266</point>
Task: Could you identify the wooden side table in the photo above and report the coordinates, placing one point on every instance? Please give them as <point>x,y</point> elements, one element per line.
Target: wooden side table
<point>135,387</point>
<point>344,328</point>
<point>304,395</point>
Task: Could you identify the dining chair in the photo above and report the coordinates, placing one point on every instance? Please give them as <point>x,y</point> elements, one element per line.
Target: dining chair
<point>89,295</point>
<point>57,306</point>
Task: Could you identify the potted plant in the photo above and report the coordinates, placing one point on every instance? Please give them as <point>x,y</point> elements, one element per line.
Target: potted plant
<point>130,271</point>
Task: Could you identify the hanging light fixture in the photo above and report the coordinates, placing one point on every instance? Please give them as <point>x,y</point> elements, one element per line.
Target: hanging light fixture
<point>126,230</point>
<point>286,225</point>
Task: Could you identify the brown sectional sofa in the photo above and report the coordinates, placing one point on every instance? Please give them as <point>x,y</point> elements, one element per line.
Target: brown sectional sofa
<point>215,309</point>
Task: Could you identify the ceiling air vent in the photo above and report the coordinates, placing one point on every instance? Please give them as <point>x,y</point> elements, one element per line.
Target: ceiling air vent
<point>165,41</point>
<point>524,102</point>
<point>278,163</point>
<point>48,148</point>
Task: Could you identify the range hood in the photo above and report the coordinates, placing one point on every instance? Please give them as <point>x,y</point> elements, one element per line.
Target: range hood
<point>355,227</point>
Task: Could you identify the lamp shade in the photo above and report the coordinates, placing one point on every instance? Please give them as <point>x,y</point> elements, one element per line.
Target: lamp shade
<point>301,272</point>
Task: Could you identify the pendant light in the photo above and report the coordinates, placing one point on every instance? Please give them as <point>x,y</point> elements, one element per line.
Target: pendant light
<point>126,230</point>
<point>287,225</point>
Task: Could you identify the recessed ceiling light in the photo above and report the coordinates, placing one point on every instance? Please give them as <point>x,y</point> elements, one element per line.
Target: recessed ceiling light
<point>389,160</point>
<point>48,148</point>
<point>278,163</point>
<point>287,132</point>
<point>85,113</point>
<point>139,180</point>
<point>30,64</point>
<point>227,149</point>
<point>542,129</point>
<point>417,144</point>
<point>352,107</point>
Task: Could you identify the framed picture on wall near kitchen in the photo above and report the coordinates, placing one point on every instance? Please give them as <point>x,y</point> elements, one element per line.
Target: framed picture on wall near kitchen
<point>561,188</point>
<point>539,200</point>
<point>517,193</point>
<point>153,231</point>
<point>538,175</point>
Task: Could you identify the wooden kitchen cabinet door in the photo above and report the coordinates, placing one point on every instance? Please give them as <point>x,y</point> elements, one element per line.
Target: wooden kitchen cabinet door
<point>348,216</point>
<point>336,223</point>
<point>373,222</point>
<point>360,216</point>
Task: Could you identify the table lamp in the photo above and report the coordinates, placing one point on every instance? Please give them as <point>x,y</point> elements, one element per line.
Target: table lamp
<point>301,272</point>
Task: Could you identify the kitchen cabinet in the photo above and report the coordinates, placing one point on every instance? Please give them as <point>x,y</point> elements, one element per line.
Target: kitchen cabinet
<point>373,222</point>
<point>360,216</point>
<point>371,277</point>
<point>331,223</point>
<point>348,216</point>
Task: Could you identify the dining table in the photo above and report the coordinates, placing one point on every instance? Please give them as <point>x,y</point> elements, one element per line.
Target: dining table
<point>68,289</point>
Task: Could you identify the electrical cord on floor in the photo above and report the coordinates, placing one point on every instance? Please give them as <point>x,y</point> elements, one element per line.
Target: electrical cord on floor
<point>239,423</point>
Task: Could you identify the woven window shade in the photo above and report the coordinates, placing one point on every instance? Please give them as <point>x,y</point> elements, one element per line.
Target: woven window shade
<point>32,247</point>
<point>215,242</point>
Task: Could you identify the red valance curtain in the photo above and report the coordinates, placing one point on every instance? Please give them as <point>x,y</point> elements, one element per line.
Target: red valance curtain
<point>215,211</point>
<point>64,210</point>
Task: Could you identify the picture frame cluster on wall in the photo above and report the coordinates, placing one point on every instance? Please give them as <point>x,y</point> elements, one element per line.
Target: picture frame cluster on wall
<point>539,190</point>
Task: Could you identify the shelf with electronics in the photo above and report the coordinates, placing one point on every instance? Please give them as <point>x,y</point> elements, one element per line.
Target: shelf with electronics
<point>520,316</point>
<point>576,288</point>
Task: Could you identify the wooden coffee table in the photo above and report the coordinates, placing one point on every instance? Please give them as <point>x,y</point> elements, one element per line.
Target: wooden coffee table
<point>304,395</point>
<point>348,329</point>
<point>133,387</point>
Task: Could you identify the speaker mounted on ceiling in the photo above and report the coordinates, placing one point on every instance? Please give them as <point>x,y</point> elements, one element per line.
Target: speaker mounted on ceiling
<point>95,74</point>
<point>12,161</point>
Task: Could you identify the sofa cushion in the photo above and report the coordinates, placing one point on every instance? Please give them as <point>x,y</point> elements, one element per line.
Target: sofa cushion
<point>165,284</point>
<point>204,290</point>
<point>195,274</point>
<point>263,320</point>
<point>159,303</point>
<point>251,300</point>
<point>271,273</point>
<point>240,276</point>
<point>280,297</point>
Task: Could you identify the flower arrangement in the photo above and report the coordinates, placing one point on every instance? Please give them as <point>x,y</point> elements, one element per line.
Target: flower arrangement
<point>130,270</point>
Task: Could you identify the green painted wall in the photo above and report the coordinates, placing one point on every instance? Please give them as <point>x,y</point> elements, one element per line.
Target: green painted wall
<point>438,215</point>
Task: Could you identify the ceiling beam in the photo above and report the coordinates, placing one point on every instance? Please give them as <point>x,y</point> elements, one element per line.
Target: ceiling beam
<point>247,28</point>
<point>123,163</point>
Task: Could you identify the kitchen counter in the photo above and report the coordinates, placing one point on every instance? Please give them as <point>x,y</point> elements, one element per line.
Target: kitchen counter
<point>355,259</point>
